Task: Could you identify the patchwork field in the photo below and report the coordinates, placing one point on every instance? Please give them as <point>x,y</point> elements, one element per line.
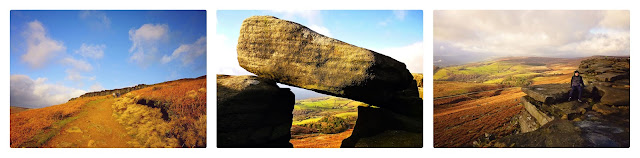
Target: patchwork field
<point>323,122</point>
<point>475,100</point>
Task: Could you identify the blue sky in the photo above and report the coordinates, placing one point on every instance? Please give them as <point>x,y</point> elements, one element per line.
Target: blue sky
<point>56,55</point>
<point>395,33</point>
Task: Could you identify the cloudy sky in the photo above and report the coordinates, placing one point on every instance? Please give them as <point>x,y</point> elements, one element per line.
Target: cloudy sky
<point>57,55</point>
<point>397,34</point>
<point>464,36</point>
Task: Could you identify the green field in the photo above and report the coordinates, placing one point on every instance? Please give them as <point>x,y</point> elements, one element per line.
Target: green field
<point>316,108</point>
<point>487,72</point>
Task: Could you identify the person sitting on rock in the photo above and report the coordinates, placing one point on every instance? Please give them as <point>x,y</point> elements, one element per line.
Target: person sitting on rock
<point>576,84</point>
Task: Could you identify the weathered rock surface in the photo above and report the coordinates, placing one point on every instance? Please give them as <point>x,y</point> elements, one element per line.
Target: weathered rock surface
<point>613,96</point>
<point>418,78</point>
<point>292,54</point>
<point>527,122</point>
<point>604,131</point>
<point>253,112</point>
<point>540,117</point>
<point>375,127</point>
<point>578,124</point>
<point>605,69</point>
<point>548,93</point>
<point>567,110</point>
<point>557,133</point>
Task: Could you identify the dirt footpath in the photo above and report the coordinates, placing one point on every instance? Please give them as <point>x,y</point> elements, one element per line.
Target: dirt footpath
<point>94,128</point>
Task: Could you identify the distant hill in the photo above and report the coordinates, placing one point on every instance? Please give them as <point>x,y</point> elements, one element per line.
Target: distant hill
<point>516,71</point>
<point>15,109</point>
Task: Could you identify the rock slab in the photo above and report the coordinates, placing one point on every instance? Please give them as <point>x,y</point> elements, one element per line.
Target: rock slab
<point>548,93</point>
<point>293,54</point>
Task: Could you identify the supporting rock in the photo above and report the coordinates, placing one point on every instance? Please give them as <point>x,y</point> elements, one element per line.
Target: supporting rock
<point>253,112</point>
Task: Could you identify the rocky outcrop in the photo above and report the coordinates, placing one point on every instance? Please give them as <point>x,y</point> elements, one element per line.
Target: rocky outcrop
<point>605,69</point>
<point>540,117</point>
<point>109,92</point>
<point>372,123</point>
<point>293,54</point>
<point>418,78</point>
<point>558,133</point>
<point>253,112</point>
<point>613,96</point>
<point>601,120</point>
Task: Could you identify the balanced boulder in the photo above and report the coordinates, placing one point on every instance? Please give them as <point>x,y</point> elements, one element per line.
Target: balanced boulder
<point>253,112</point>
<point>293,54</point>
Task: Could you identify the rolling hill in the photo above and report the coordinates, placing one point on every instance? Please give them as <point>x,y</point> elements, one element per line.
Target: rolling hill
<point>484,97</point>
<point>168,114</point>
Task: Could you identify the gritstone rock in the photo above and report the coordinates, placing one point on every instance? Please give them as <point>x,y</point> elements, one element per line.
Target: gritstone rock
<point>253,112</point>
<point>293,54</point>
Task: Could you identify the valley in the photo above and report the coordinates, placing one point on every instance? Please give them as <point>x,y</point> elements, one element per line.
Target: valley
<point>477,100</point>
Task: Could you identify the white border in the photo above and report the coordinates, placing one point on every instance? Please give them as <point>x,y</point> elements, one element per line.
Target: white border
<point>213,6</point>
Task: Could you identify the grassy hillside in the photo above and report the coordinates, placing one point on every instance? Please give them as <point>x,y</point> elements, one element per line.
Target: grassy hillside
<point>33,128</point>
<point>169,114</point>
<point>310,110</point>
<point>463,117</point>
<point>515,71</point>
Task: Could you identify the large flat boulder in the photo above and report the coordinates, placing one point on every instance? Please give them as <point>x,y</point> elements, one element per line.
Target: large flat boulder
<point>548,93</point>
<point>613,96</point>
<point>253,112</point>
<point>293,54</point>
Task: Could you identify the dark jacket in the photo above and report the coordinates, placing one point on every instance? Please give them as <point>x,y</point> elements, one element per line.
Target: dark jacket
<point>578,80</point>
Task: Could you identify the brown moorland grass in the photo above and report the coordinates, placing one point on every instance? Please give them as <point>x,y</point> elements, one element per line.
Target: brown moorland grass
<point>458,125</point>
<point>447,88</point>
<point>33,128</point>
<point>320,140</point>
<point>169,114</point>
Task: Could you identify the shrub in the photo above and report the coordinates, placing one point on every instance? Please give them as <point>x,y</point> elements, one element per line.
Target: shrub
<point>329,125</point>
<point>170,114</point>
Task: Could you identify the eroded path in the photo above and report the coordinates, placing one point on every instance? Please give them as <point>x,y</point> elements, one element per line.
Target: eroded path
<point>94,127</point>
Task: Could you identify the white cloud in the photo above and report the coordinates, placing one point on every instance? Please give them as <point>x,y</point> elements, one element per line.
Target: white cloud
<point>411,55</point>
<point>188,52</point>
<point>91,51</point>
<point>145,42</point>
<point>26,92</point>
<point>320,29</point>
<point>96,19</point>
<point>96,87</point>
<point>77,66</point>
<point>80,65</point>
<point>533,33</point>
<point>40,48</point>
<point>400,14</point>
<point>311,16</point>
